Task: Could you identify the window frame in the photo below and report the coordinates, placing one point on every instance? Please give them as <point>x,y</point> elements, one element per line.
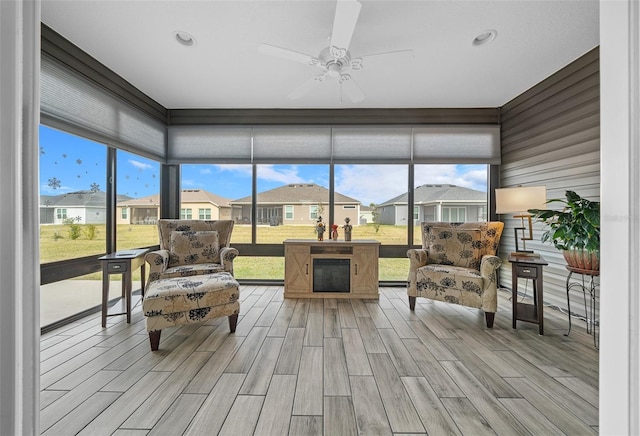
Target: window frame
<point>184,215</point>
<point>204,213</point>
<point>313,210</point>
<point>457,208</point>
<point>287,212</point>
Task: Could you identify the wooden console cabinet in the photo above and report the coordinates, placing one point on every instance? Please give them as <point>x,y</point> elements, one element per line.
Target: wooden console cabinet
<point>299,255</point>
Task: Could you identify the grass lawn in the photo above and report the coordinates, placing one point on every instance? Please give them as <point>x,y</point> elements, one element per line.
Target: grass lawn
<point>56,244</point>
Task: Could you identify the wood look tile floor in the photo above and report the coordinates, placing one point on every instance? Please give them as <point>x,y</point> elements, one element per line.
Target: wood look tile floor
<point>333,367</point>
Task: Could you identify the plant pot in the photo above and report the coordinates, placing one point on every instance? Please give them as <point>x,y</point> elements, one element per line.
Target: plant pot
<point>582,259</point>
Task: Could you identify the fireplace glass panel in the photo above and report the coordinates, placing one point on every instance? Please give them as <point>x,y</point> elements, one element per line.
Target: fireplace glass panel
<point>331,275</point>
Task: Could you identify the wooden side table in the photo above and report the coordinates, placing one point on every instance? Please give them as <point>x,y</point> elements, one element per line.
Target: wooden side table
<point>121,262</point>
<point>528,267</point>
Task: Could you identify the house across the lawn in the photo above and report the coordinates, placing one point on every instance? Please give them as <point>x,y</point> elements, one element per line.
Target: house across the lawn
<point>448,203</point>
<point>84,207</point>
<point>296,204</point>
<point>194,204</point>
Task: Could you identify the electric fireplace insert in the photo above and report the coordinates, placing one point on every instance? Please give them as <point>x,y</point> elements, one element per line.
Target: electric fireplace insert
<point>331,275</point>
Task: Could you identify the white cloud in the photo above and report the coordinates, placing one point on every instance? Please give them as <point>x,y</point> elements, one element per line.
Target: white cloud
<point>238,168</point>
<point>206,171</point>
<point>371,183</point>
<point>283,175</point>
<point>189,183</point>
<point>140,165</point>
<point>48,190</point>
<point>379,183</point>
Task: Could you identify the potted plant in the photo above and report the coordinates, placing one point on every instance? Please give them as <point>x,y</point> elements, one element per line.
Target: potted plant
<point>574,229</point>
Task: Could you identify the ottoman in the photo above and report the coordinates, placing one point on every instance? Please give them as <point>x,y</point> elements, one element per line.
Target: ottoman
<point>185,300</point>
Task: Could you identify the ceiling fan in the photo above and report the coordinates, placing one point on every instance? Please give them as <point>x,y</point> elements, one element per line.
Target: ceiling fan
<point>336,61</point>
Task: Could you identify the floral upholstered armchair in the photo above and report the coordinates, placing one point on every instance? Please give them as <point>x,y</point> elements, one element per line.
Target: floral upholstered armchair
<point>457,264</point>
<point>190,248</point>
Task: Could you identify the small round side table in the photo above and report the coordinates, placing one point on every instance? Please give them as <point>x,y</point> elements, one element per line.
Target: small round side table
<point>586,283</point>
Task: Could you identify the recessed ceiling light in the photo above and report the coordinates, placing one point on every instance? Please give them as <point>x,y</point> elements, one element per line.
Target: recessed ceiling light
<point>184,38</point>
<point>485,37</point>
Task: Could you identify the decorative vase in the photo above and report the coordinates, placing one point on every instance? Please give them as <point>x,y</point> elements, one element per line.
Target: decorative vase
<point>582,259</point>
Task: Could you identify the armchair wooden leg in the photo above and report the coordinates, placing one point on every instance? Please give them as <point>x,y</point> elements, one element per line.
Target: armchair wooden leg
<point>412,303</point>
<point>154,339</point>
<point>490,316</point>
<point>233,320</point>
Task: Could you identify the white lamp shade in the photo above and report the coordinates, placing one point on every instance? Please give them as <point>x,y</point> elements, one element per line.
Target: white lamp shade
<point>520,199</point>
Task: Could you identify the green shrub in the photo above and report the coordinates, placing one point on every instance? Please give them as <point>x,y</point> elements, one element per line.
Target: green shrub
<point>91,232</point>
<point>74,228</point>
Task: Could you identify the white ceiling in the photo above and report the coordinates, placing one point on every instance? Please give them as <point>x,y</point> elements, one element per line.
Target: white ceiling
<point>224,69</point>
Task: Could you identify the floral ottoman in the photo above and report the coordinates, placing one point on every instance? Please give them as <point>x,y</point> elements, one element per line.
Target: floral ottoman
<point>184,300</point>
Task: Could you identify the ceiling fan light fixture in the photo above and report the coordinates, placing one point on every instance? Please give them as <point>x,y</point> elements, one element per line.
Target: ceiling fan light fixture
<point>484,38</point>
<point>184,38</point>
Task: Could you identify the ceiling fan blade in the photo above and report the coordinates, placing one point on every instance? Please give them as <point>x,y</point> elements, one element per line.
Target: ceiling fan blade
<point>390,57</point>
<point>344,23</point>
<point>285,53</point>
<point>352,90</point>
<point>305,87</point>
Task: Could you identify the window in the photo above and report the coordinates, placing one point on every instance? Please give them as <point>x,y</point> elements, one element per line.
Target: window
<point>185,214</point>
<point>73,208</point>
<point>138,198</point>
<point>416,213</point>
<point>374,199</point>
<point>454,214</point>
<point>73,171</point>
<point>313,212</point>
<point>449,193</point>
<point>231,183</point>
<point>298,187</point>
<point>482,213</point>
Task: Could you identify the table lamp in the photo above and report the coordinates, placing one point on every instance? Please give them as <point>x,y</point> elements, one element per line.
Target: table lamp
<point>519,200</point>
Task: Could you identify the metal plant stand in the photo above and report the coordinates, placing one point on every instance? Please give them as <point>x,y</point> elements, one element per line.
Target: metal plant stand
<point>586,283</point>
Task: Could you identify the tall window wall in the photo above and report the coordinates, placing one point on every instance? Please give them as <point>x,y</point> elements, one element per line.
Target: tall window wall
<point>291,197</point>
<point>73,218</point>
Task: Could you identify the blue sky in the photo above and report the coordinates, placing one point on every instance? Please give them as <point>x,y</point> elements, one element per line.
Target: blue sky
<point>69,163</point>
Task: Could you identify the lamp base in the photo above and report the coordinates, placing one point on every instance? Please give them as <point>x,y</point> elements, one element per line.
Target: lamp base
<point>524,254</point>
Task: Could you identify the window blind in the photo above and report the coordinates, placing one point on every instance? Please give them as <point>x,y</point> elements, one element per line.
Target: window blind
<point>292,144</point>
<point>335,144</point>
<point>75,104</point>
<point>456,144</point>
<point>209,143</point>
<point>371,144</point>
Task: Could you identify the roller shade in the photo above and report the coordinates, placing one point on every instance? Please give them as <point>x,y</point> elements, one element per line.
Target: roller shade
<point>72,102</point>
<point>212,143</point>
<point>371,144</point>
<point>293,144</point>
<point>456,144</point>
<point>433,144</point>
